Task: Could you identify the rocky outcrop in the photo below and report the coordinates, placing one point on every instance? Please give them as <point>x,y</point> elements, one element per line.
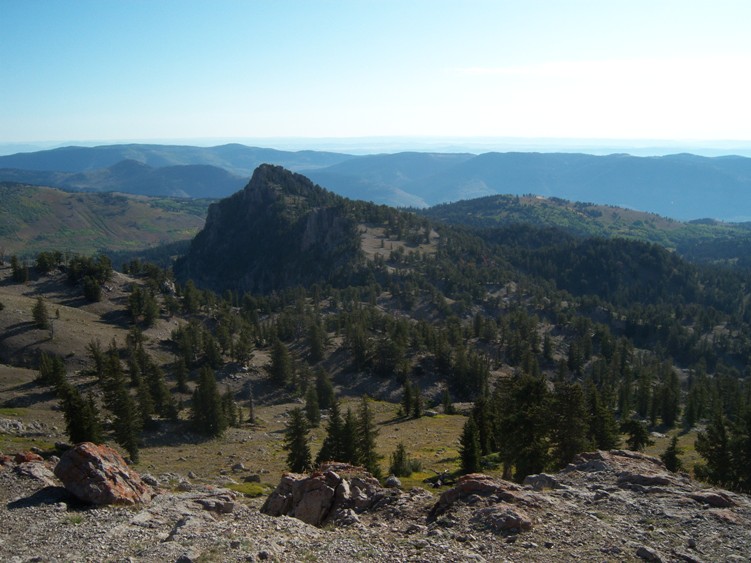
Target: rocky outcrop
<point>588,516</point>
<point>97,474</point>
<point>280,231</point>
<point>329,494</point>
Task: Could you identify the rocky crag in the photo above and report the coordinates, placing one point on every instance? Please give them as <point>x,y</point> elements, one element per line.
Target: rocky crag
<point>605,506</point>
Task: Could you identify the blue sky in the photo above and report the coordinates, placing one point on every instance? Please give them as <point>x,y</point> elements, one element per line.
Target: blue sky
<point>154,70</point>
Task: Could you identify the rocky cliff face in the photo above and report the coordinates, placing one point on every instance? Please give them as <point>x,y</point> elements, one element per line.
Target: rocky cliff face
<point>605,506</point>
<point>281,230</point>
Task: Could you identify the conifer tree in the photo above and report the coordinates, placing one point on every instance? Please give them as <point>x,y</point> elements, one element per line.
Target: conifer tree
<point>713,445</point>
<point>127,419</point>
<point>296,442</point>
<point>333,448</point>
<point>230,408</point>
<point>638,435</point>
<point>469,449</point>
<point>481,414</point>
<point>181,374</point>
<point>326,395</point>
<point>448,406</point>
<point>207,412</point>
<point>400,463</point>
<point>671,456</point>
<point>366,439</point>
<point>281,364</point>
<point>312,410</point>
<point>603,428</point>
<point>570,423</point>
<point>40,314</point>
<point>349,445</point>
<point>51,370</point>
<point>418,405</point>
<point>81,415</point>
<point>316,342</point>
<point>407,399</point>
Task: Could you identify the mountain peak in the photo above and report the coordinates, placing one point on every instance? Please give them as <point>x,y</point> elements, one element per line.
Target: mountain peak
<point>281,230</point>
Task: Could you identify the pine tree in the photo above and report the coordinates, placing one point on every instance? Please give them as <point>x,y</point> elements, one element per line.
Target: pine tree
<point>51,370</point>
<point>570,423</point>
<point>316,342</point>
<point>154,377</point>
<point>669,396</point>
<point>229,407</point>
<point>97,356</point>
<point>207,412</point>
<point>366,439</point>
<point>326,395</point>
<point>127,419</point>
<point>481,414</point>
<point>448,406</point>
<point>312,410</point>
<point>713,445</point>
<point>40,314</point>
<point>638,435</point>
<point>418,406</point>
<point>670,457</point>
<point>281,364</point>
<point>333,448</point>
<point>407,399</point>
<point>400,464</point>
<point>81,415</point>
<point>181,375</point>
<point>349,444</point>
<point>296,442</point>
<point>469,449</point>
<point>603,428</point>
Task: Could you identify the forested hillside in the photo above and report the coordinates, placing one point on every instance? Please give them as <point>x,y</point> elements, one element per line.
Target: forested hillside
<point>554,343</point>
<point>34,219</point>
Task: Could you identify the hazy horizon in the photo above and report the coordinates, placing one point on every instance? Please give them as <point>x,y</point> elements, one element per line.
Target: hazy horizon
<point>377,145</point>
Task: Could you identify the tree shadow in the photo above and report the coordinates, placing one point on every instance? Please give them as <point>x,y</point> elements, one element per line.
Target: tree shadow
<point>47,495</point>
<point>117,318</point>
<point>18,328</point>
<point>29,399</point>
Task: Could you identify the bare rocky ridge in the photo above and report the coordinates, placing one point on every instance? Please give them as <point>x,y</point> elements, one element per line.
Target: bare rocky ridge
<point>605,506</point>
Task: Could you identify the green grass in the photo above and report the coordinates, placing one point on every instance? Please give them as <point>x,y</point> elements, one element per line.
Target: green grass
<point>251,490</point>
<point>14,412</point>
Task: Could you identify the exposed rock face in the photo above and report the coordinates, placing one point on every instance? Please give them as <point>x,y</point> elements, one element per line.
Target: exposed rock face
<point>330,494</point>
<point>281,230</point>
<point>97,474</point>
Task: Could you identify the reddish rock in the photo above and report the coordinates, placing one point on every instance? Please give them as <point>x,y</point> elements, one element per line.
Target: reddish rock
<point>99,475</point>
<point>27,457</point>
<point>6,460</point>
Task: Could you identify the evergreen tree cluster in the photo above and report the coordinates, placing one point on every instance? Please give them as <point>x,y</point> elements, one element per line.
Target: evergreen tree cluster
<point>349,439</point>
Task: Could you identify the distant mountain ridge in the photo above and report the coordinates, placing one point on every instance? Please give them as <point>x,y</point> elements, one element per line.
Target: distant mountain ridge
<point>680,186</point>
<point>237,159</point>
<point>133,177</point>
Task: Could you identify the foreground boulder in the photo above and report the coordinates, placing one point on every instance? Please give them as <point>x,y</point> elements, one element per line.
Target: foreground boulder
<point>97,474</point>
<point>326,495</point>
<point>498,496</point>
